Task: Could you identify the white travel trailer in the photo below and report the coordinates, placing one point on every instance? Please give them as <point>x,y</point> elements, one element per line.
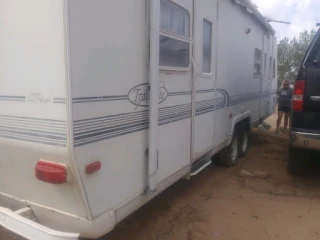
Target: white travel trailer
<point>106,103</point>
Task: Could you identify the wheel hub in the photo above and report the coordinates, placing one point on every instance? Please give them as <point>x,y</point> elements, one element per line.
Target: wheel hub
<point>234,149</point>
<point>244,142</point>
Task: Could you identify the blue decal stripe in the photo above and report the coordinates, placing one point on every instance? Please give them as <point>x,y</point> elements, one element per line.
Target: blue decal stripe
<point>53,132</point>
<point>93,130</point>
<point>27,138</point>
<point>24,98</point>
<point>99,99</point>
<point>45,131</point>
<point>179,93</point>
<point>102,128</point>
<point>30,119</point>
<point>12,98</point>
<point>125,97</point>
<point>205,91</point>
<point>59,100</point>
<point>110,125</point>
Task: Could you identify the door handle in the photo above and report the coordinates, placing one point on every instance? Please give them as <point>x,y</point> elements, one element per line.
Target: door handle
<point>196,68</point>
<point>194,64</point>
<point>195,73</point>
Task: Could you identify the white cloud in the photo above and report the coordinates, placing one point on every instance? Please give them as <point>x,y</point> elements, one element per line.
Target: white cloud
<point>303,14</point>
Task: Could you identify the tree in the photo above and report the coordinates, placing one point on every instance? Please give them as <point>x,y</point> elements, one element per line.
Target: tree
<point>284,50</point>
<point>290,55</point>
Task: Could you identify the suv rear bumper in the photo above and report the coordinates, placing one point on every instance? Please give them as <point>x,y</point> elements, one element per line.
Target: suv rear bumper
<point>305,140</point>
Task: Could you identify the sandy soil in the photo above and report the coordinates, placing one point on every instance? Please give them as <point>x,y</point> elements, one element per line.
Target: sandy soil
<point>220,204</point>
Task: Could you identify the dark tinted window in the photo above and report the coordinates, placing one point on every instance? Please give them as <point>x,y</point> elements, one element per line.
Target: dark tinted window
<point>314,59</point>
<point>313,55</point>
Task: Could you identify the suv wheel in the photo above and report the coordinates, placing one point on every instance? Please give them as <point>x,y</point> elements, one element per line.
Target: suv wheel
<point>298,162</point>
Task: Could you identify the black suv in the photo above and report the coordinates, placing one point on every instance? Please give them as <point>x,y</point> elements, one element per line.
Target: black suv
<point>305,118</point>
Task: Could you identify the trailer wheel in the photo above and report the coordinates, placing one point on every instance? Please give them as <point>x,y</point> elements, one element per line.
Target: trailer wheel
<point>298,162</point>
<point>243,141</point>
<point>230,155</point>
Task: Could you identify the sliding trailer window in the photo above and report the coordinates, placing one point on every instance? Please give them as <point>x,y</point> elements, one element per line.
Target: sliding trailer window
<point>175,38</point>
<point>274,68</point>
<point>270,67</point>
<point>206,46</point>
<point>257,63</point>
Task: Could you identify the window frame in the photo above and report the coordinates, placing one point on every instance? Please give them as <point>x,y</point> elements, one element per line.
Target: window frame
<point>207,74</point>
<point>254,63</point>
<point>183,38</point>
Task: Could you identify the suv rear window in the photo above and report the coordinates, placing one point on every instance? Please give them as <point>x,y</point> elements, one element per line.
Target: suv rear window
<point>313,57</point>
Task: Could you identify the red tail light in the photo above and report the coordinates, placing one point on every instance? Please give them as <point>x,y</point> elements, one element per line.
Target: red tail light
<point>298,94</point>
<point>48,172</point>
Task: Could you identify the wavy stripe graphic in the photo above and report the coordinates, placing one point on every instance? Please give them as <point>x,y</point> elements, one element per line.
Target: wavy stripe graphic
<point>86,131</point>
<point>93,130</point>
<point>97,129</point>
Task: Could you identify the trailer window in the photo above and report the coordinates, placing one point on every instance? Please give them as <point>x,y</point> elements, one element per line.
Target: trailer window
<point>206,46</point>
<point>270,67</point>
<point>257,63</point>
<point>174,36</point>
<point>173,52</point>
<point>274,68</point>
<point>265,65</point>
<point>174,19</point>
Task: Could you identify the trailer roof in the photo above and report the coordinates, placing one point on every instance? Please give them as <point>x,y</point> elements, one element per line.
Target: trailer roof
<point>252,9</point>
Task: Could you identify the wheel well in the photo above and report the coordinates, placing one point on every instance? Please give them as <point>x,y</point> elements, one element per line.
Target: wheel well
<point>245,123</point>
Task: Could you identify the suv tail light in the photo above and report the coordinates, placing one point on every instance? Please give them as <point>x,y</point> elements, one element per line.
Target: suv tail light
<point>49,172</point>
<point>298,94</point>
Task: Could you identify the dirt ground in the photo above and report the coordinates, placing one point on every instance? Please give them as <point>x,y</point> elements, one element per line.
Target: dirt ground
<point>220,204</point>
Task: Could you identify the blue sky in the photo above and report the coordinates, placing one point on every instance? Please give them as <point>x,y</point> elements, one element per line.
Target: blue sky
<point>303,14</point>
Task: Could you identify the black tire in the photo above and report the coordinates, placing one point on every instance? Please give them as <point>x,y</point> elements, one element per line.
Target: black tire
<point>243,141</point>
<point>298,161</point>
<point>226,156</point>
<point>216,159</point>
